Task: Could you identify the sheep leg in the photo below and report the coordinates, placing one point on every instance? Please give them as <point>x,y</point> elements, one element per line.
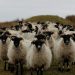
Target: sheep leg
<point>11,67</point>
<point>59,67</point>
<point>41,71</point>
<point>31,71</point>
<point>68,66</point>
<point>16,69</point>
<point>63,66</point>
<point>37,71</point>
<point>73,63</point>
<point>21,68</point>
<point>5,65</point>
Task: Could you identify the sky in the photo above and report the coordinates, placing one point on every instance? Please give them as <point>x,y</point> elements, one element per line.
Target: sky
<point>14,9</point>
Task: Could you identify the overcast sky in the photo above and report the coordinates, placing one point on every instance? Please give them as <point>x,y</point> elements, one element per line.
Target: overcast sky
<point>13,9</point>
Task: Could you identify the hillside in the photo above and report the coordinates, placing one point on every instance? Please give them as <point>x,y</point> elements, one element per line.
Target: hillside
<point>39,18</point>
<point>51,18</point>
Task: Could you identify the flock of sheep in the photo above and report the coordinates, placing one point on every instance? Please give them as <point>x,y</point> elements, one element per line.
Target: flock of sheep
<point>36,45</point>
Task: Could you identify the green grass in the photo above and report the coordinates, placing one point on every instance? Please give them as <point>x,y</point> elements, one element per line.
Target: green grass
<point>52,71</point>
<point>52,18</point>
<point>41,18</point>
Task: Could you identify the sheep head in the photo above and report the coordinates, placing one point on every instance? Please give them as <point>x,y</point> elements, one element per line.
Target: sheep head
<point>40,36</point>
<point>16,40</point>
<point>38,44</point>
<point>66,38</point>
<point>48,34</point>
<point>3,38</point>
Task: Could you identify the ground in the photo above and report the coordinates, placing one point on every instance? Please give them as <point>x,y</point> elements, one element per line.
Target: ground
<point>52,71</point>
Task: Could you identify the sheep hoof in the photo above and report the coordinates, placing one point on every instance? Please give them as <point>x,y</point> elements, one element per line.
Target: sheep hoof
<point>68,69</point>
<point>73,63</point>
<point>60,69</point>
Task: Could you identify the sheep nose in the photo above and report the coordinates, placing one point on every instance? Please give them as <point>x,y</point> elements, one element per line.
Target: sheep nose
<point>60,32</point>
<point>3,41</point>
<point>16,45</point>
<point>39,47</point>
<point>48,37</point>
<point>66,42</point>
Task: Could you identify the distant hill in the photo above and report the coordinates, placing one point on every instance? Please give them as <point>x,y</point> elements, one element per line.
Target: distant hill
<point>71,18</point>
<point>51,18</point>
<point>40,18</point>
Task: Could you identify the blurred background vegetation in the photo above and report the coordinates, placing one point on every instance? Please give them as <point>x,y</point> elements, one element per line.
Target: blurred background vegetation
<point>53,18</point>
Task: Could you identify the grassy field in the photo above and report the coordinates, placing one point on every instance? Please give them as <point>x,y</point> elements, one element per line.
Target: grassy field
<point>52,71</point>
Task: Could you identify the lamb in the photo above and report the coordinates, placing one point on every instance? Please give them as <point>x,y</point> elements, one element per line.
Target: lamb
<point>39,52</point>
<point>64,51</point>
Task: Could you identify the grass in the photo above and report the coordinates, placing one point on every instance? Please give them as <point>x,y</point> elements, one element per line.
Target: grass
<point>52,71</point>
<point>52,18</point>
<point>41,18</point>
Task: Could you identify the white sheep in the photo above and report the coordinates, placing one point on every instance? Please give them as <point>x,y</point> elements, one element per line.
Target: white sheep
<point>64,50</point>
<point>39,58</point>
<point>17,51</point>
<point>28,35</point>
<point>14,32</point>
<point>4,42</point>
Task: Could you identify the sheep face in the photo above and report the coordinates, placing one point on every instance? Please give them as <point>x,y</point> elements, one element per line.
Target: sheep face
<point>60,32</point>
<point>25,31</point>
<point>17,27</point>
<point>4,37</point>
<point>66,39</point>
<point>1,32</point>
<point>36,29</point>
<point>16,40</point>
<point>73,37</point>
<point>48,34</point>
<point>40,37</point>
<point>38,44</point>
<point>7,33</point>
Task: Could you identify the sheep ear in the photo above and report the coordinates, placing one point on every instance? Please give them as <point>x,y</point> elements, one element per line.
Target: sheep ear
<point>70,35</point>
<point>0,37</point>
<point>56,26</point>
<point>33,42</point>
<point>20,38</point>
<point>36,36</point>
<point>43,42</point>
<point>62,36</point>
<point>73,34</point>
<point>52,32</point>
<point>13,37</point>
<point>24,31</point>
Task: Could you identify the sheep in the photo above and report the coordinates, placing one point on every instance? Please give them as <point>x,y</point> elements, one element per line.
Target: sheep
<point>28,35</point>
<point>64,51</point>
<point>4,42</point>
<point>17,52</point>
<point>55,32</point>
<point>49,38</point>
<point>39,52</point>
<point>13,32</point>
